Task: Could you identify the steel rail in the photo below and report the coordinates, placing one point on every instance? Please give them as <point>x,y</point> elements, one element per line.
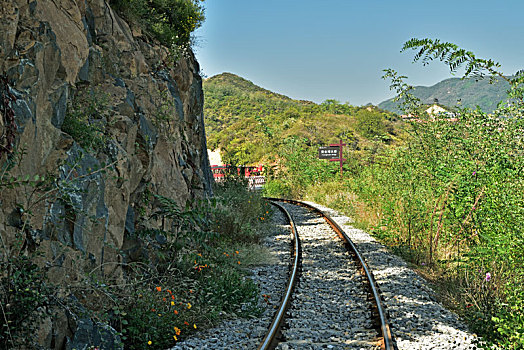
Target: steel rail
<point>270,340</point>
<point>387,340</point>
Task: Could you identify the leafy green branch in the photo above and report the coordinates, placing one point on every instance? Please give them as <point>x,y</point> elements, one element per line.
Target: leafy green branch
<point>409,103</point>
<point>453,56</point>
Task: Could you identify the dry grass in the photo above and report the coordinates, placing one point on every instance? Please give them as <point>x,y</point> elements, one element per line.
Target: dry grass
<point>335,195</point>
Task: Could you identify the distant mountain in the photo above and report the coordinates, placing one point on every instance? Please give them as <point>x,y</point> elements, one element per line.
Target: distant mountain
<point>455,92</point>
<point>235,84</point>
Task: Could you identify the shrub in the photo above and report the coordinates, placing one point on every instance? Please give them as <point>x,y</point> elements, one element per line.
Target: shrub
<point>23,295</point>
<point>450,198</point>
<point>86,118</point>
<point>169,21</point>
<point>196,276</point>
<point>370,123</point>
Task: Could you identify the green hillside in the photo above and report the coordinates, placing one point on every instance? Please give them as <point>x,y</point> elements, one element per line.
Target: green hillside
<point>455,92</point>
<point>248,123</point>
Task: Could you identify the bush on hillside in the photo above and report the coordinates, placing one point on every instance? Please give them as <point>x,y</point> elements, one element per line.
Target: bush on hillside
<point>169,21</point>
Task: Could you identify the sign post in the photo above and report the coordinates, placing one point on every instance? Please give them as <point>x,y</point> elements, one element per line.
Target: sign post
<point>333,153</point>
<point>341,156</point>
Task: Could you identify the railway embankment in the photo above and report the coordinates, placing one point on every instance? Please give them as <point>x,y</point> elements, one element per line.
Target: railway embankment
<point>271,278</point>
<point>417,319</point>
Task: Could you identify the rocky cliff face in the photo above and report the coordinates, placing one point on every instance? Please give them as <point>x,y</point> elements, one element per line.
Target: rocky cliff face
<point>105,116</point>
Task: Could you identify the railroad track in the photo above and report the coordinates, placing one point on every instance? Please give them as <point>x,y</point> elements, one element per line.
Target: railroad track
<point>331,299</point>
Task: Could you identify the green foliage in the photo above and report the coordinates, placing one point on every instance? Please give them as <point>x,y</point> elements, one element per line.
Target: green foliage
<point>227,290</point>
<point>197,252</point>
<point>453,56</point>
<point>467,93</point>
<point>26,296</point>
<point>509,320</point>
<point>24,293</point>
<point>449,199</point>
<point>180,229</point>
<point>188,301</point>
<point>240,214</point>
<point>300,169</point>
<point>456,92</point>
<point>169,21</point>
<point>370,123</point>
<point>453,197</point>
<point>196,278</point>
<point>86,119</point>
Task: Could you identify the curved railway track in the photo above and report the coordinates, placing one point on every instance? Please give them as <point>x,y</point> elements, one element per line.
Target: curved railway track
<point>328,274</point>
<point>328,303</point>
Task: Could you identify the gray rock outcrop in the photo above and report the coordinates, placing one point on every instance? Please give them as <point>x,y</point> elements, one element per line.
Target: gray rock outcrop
<point>105,115</point>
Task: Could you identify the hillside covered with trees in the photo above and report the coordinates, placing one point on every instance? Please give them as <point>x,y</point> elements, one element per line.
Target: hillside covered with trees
<point>249,124</point>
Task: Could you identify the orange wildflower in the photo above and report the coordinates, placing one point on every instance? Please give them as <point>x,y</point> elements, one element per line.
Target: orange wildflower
<point>186,323</point>
<point>176,312</point>
<point>158,289</point>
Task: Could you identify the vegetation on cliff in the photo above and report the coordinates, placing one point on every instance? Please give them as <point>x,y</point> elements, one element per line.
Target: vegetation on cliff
<point>183,276</point>
<point>193,275</point>
<point>169,21</point>
<point>93,215</point>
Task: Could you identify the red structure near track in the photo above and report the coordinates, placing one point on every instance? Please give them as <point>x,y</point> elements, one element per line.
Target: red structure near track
<point>252,173</point>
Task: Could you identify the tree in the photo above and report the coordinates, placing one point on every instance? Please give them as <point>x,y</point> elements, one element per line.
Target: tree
<point>370,123</point>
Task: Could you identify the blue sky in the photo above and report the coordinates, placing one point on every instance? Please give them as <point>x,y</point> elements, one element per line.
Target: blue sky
<point>317,50</point>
